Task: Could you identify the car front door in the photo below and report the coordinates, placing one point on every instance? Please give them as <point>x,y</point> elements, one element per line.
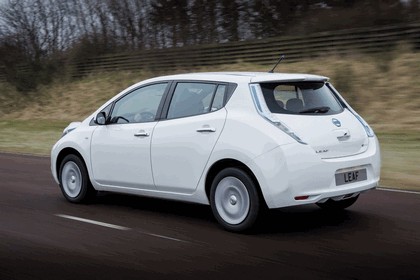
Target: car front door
<point>182,144</point>
<point>120,150</point>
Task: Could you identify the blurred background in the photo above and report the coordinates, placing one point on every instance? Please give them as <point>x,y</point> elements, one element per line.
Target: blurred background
<point>61,59</point>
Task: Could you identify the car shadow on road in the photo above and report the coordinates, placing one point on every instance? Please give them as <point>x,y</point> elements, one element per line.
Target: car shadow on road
<point>289,220</point>
<point>155,206</point>
<point>303,219</point>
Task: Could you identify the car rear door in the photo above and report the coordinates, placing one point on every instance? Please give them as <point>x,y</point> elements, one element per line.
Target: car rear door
<point>183,142</point>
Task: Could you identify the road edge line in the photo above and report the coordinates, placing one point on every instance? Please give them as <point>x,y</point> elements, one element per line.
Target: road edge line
<point>397,190</point>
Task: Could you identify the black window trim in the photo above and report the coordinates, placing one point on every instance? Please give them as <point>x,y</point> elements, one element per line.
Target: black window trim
<point>163,108</point>
<point>229,89</point>
<point>343,105</point>
<point>326,83</point>
<point>160,107</point>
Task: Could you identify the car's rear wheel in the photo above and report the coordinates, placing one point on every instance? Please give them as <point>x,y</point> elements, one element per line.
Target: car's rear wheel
<point>74,180</point>
<point>234,199</point>
<point>339,204</point>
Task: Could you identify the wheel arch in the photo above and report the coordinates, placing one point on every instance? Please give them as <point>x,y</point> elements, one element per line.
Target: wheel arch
<point>229,162</point>
<point>65,152</point>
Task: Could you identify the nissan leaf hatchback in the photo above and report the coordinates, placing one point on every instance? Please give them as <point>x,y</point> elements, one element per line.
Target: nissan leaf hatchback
<point>237,141</point>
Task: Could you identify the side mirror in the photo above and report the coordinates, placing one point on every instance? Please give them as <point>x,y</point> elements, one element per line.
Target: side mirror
<point>100,118</point>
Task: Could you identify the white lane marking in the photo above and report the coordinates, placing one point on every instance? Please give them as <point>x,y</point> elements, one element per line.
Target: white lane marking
<point>117,227</point>
<point>92,222</point>
<point>399,191</point>
<point>165,237</point>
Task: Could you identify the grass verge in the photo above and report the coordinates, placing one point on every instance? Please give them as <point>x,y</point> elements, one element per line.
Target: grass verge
<point>400,160</point>
<point>29,136</point>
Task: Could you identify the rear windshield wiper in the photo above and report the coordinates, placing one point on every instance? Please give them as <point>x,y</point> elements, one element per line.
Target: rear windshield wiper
<point>315,110</point>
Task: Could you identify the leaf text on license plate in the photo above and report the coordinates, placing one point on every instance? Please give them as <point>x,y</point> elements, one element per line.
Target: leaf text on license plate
<point>350,177</point>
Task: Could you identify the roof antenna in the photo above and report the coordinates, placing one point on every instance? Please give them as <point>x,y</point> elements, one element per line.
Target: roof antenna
<point>280,59</point>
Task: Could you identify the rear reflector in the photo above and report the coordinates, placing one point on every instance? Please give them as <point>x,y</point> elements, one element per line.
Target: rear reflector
<point>302,197</point>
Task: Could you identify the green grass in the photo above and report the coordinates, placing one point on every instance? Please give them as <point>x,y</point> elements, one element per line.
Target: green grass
<point>400,159</point>
<point>27,136</point>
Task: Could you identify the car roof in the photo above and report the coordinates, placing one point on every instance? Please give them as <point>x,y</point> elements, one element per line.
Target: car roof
<point>248,77</point>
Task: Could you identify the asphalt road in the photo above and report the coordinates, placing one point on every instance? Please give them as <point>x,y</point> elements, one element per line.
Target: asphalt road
<point>143,238</point>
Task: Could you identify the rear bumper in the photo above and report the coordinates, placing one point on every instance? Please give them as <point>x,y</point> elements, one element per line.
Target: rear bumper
<point>295,170</point>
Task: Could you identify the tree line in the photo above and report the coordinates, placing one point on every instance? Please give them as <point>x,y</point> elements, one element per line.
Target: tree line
<point>44,33</point>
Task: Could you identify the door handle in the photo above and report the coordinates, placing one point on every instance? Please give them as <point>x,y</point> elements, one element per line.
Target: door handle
<point>141,133</point>
<point>206,129</point>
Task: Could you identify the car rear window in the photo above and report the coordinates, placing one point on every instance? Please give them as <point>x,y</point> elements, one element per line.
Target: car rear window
<point>300,98</point>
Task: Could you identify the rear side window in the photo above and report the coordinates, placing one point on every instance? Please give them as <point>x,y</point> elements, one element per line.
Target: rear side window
<point>190,99</point>
<point>219,98</point>
<point>300,98</point>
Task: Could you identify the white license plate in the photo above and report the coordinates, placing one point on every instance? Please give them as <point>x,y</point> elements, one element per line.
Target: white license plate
<point>350,176</point>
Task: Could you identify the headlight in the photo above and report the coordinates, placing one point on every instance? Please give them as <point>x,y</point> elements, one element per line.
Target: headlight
<point>72,126</point>
<point>67,131</point>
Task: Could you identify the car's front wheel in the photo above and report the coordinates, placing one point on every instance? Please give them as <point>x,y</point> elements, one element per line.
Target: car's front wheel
<point>234,199</point>
<point>74,180</point>
<point>339,204</point>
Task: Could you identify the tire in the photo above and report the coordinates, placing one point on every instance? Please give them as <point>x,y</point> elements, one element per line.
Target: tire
<point>234,200</point>
<point>338,205</point>
<point>74,180</point>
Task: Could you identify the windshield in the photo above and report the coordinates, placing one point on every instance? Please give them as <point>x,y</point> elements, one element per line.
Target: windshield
<point>300,98</point>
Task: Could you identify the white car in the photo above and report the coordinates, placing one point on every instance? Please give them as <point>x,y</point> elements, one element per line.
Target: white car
<point>237,141</point>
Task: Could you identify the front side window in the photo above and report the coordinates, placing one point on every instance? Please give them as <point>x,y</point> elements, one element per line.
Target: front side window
<point>140,105</point>
<point>190,99</point>
<point>300,98</point>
